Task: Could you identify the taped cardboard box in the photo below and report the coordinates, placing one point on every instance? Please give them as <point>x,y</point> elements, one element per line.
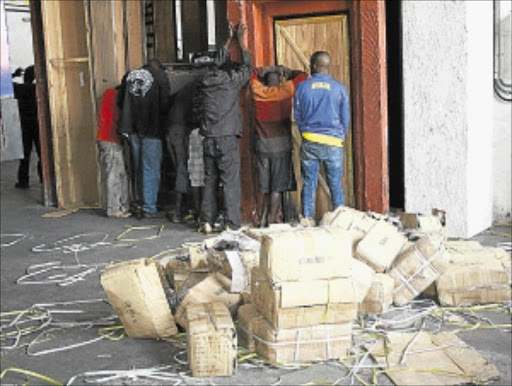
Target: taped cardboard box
<point>308,254</point>
<point>294,345</point>
<point>138,292</point>
<point>380,296</point>
<point>212,289</point>
<point>473,284</point>
<point>211,340</point>
<point>351,220</point>
<point>363,276</point>
<point>258,233</point>
<point>418,267</point>
<point>235,265</point>
<point>470,252</point>
<point>302,304</point>
<point>380,246</point>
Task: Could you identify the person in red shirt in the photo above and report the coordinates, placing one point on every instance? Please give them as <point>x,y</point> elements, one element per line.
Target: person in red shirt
<point>113,176</point>
<point>272,95</point>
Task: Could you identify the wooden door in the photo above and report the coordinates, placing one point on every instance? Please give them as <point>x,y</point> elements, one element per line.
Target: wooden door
<point>295,41</point>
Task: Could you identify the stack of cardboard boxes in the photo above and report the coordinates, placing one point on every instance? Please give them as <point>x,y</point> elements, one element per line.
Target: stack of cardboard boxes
<point>303,297</point>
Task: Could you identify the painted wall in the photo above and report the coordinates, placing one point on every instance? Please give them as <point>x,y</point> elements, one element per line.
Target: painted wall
<point>502,141</point>
<point>20,39</point>
<point>448,107</point>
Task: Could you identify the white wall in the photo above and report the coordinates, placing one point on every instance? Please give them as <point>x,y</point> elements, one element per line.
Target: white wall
<point>502,143</point>
<point>447,69</point>
<point>20,40</point>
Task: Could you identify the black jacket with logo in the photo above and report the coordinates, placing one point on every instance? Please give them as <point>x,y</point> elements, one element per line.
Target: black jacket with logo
<point>144,98</point>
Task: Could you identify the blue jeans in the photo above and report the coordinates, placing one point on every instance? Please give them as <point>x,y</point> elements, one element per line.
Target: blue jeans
<point>311,154</point>
<point>150,151</point>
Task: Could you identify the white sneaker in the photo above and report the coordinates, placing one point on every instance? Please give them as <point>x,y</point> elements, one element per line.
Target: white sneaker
<point>307,222</point>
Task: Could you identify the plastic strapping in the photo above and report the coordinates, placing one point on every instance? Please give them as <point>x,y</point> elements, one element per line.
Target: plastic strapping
<point>426,263</point>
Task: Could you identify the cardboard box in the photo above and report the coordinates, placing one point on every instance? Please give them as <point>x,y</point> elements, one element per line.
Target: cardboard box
<point>363,276</point>
<point>138,291</point>
<point>302,304</point>
<point>258,233</point>
<point>418,267</point>
<point>470,252</point>
<point>236,266</point>
<point>473,284</point>
<point>211,340</point>
<point>307,254</point>
<point>306,344</point>
<point>380,246</point>
<point>342,217</point>
<point>212,289</point>
<point>380,296</point>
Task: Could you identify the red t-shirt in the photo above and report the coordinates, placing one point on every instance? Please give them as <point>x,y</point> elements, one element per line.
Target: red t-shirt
<point>108,117</point>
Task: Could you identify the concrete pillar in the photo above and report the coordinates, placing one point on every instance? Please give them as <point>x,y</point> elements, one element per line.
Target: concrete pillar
<point>448,107</point>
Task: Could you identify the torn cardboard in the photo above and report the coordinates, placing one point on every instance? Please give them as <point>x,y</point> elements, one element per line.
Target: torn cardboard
<point>211,340</point>
<point>235,265</point>
<point>137,290</point>
<point>306,344</point>
<point>424,359</point>
<point>308,254</point>
<point>363,276</point>
<point>380,295</point>
<point>212,289</point>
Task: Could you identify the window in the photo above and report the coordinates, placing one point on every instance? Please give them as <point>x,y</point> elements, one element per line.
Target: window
<point>502,49</point>
<point>179,30</point>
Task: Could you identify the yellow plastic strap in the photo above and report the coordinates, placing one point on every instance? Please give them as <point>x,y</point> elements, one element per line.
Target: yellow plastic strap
<point>30,373</point>
<point>323,139</point>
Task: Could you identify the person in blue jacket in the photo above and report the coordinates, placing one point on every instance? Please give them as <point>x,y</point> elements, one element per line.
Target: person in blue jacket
<point>322,112</point>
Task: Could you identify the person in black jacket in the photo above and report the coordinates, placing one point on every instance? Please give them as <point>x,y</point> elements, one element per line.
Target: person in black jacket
<point>221,125</point>
<point>25,93</point>
<point>144,96</point>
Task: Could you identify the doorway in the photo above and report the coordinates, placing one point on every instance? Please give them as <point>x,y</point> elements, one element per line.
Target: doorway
<point>296,39</point>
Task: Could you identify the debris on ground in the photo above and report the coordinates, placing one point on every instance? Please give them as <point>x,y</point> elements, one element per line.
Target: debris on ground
<point>354,288</point>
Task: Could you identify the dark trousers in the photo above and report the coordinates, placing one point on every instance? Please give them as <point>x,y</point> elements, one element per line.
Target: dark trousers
<point>30,137</point>
<point>177,145</point>
<point>222,164</point>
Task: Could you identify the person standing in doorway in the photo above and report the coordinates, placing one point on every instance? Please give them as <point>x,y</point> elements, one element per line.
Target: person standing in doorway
<point>272,95</point>
<point>221,126</point>
<point>322,111</point>
<point>25,93</point>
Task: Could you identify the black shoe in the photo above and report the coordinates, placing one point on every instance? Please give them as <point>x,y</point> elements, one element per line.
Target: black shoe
<point>21,185</point>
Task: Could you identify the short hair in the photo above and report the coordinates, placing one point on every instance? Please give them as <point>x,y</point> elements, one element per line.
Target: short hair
<point>270,74</point>
<point>320,59</point>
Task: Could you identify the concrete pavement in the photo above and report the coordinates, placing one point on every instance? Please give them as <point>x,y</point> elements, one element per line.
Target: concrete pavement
<point>21,213</point>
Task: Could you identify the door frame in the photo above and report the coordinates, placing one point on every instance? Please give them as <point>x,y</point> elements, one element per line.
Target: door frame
<point>368,71</point>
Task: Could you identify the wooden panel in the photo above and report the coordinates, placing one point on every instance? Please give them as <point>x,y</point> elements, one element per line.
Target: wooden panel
<point>121,37</point>
<point>134,33</point>
<point>43,110</point>
<point>102,47</point>
<point>164,31</point>
<point>296,40</point>
<point>71,106</point>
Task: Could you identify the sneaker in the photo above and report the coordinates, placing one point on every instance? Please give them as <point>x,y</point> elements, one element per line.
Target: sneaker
<point>307,222</point>
<point>206,228</point>
<point>21,185</point>
<point>232,227</point>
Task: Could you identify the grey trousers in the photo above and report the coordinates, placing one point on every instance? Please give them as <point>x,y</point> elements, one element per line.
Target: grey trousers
<point>114,179</point>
